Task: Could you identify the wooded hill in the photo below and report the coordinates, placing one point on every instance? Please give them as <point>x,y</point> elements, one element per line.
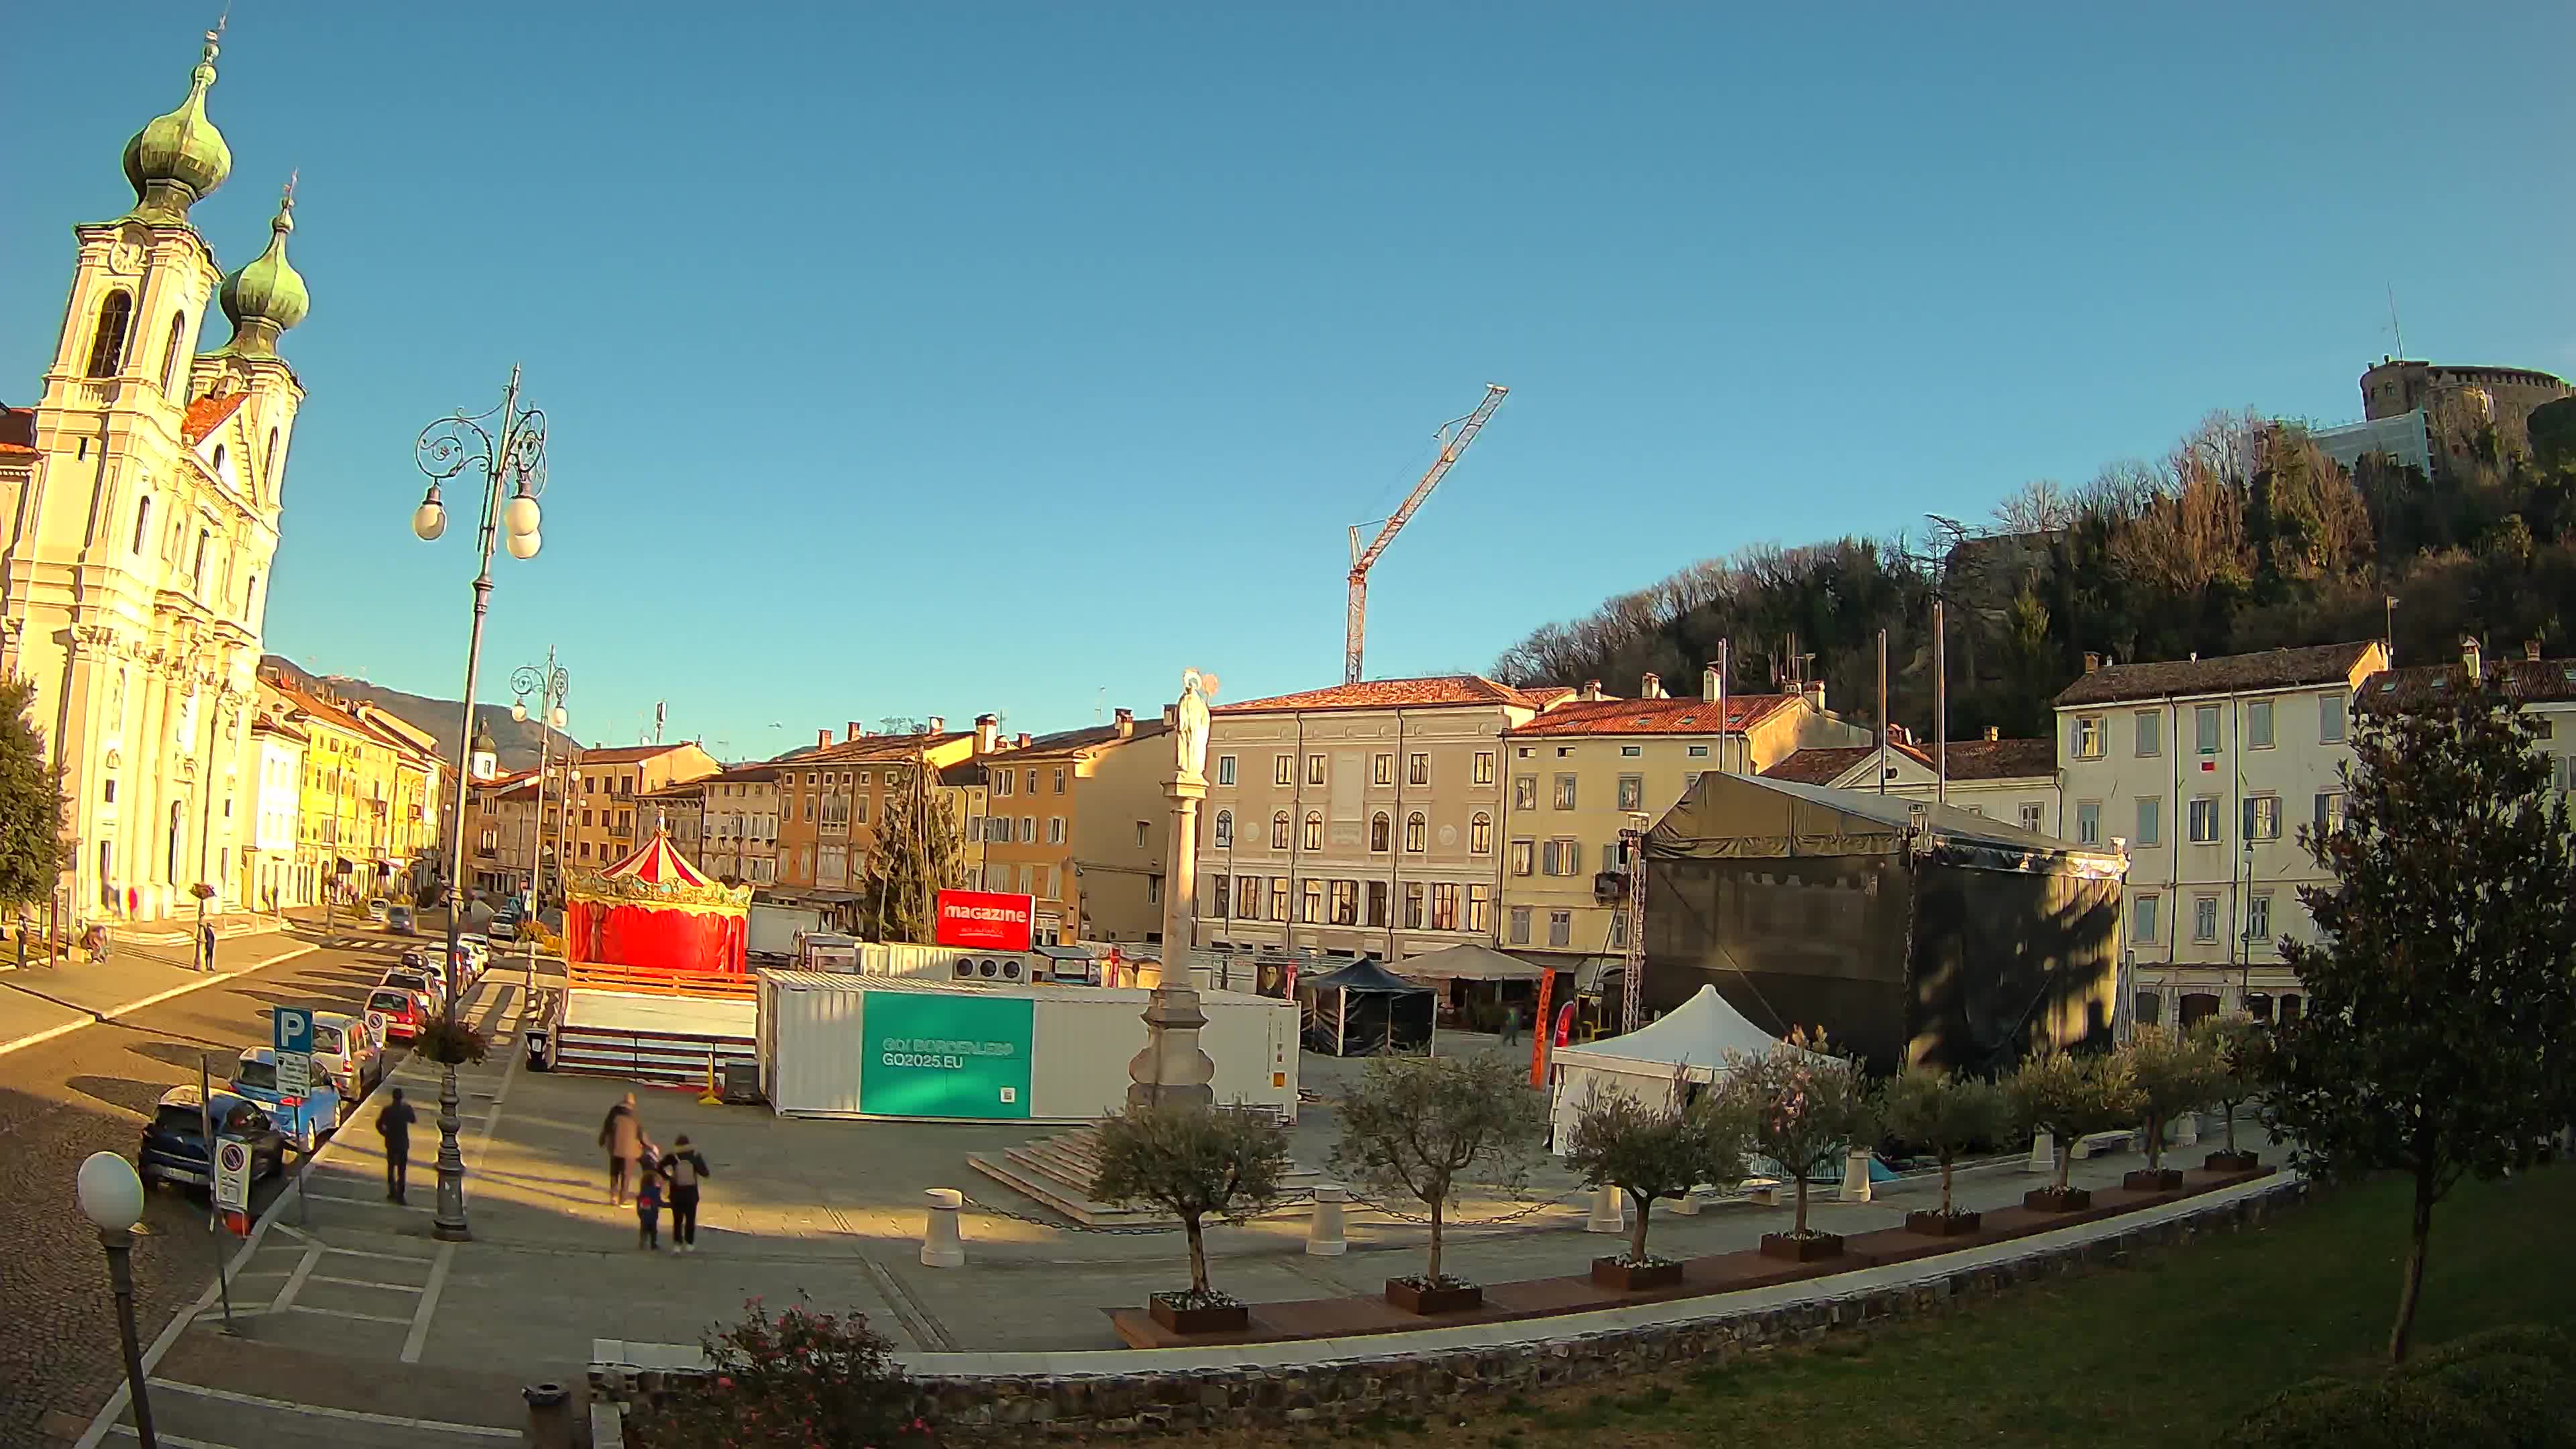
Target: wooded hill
<point>2246,536</point>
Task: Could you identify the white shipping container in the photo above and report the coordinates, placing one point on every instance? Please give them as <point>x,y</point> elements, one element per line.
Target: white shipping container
<point>814,1046</point>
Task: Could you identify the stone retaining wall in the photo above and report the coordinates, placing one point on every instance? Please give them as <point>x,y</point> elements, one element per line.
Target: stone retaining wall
<point>1007,1408</point>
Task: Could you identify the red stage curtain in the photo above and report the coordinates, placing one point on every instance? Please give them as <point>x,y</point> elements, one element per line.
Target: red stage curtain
<point>643,938</point>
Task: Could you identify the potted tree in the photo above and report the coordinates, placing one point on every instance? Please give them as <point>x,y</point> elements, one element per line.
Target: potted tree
<point>1424,1127</point>
<point>2172,1074</point>
<point>1805,1107</point>
<point>1946,1114</point>
<point>2236,1048</point>
<point>1194,1162</point>
<point>1650,1152</point>
<point>2068,1096</point>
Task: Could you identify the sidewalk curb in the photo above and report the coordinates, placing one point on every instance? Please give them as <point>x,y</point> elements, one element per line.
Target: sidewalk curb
<point>97,1018</point>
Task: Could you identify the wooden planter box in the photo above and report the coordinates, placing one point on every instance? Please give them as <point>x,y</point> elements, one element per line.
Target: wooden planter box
<point>2153,1179</point>
<point>1802,1250</point>
<point>2231,1162</point>
<point>1429,1301</point>
<point>1218,1318</point>
<point>1937,1224</point>
<point>2054,1200</point>
<point>1622,1277</point>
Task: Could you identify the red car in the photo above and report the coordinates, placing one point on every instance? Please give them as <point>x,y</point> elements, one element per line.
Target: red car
<point>393,1013</point>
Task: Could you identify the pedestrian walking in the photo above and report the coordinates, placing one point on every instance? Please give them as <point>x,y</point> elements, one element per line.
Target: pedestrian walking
<point>133,903</point>
<point>393,1123</point>
<point>648,1203</point>
<point>684,1168</point>
<point>1511,1025</point>
<point>623,1136</point>
<point>206,945</point>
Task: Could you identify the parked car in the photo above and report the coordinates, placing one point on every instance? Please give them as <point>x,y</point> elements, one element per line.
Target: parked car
<point>398,920</point>
<point>305,1120</point>
<point>394,1014</point>
<point>424,985</point>
<point>505,926</point>
<point>174,1141</point>
<point>379,910</point>
<point>352,1055</point>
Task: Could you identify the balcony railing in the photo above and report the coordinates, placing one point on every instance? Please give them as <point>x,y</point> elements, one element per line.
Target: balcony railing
<point>621,832</point>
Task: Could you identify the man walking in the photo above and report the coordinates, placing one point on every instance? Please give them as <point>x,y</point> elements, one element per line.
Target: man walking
<point>1511,1025</point>
<point>623,1136</point>
<point>684,1168</point>
<point>206,946</point>
<point>393,1123</point>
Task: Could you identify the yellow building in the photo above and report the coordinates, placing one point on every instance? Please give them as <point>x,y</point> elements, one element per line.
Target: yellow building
<point>148,482</point>
<point>1079,820</point>
<point>361,833</point>
<point>831,798</point>
<point>605,824</point>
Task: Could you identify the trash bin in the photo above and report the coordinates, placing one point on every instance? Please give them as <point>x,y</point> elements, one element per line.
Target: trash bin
<point>540,1048</point>
<point>549,1415</point>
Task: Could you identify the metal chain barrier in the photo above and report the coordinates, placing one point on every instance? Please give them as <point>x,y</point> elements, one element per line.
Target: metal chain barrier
<point>1292,1202</point>
<point>1524,1210</point>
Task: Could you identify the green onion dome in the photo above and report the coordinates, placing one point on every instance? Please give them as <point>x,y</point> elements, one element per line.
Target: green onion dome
<point>175,160</point>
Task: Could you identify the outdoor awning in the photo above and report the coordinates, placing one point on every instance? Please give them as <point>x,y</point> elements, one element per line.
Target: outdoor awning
<point>1471,962</point>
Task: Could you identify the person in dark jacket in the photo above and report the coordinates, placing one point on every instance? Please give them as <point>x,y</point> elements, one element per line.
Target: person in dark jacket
<point>684,1169</point>
<point>623,1136</point>
<point>393,1123</point>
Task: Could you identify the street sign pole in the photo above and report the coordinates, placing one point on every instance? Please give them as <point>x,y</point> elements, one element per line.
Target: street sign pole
<point>291,1042</point>
<point>206,1134</point>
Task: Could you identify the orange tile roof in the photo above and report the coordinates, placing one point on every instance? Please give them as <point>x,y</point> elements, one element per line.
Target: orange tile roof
<point>207,414</point>
<point>868,748</point>
<point>1686,716</point>
<point>630,754</point>
<point>1998,759</point>
<point>1432,691</point>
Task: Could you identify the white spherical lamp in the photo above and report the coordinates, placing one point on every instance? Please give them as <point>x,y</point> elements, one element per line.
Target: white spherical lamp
<point>520,516</point>
<point>519,711</point>
<point>524,545</point>
<point>429,520</point>
<point>558,718</point>
<point>111,1196</point>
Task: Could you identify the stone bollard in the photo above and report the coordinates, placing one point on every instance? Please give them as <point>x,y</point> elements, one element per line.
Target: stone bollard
<point>1856,1175</point>
<point>2043,1153</point>
<point>1609,1211</point>
<point>1324,1230</point>
<point>1686,1206</point>
<point>549,1415</point>
<point>940,1245</point>
<point>2186,1130</point>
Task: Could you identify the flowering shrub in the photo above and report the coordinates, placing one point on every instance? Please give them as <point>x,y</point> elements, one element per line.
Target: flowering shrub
<point>451,1043</point>
<point>1806,1105</point>
<point>798,1380</point>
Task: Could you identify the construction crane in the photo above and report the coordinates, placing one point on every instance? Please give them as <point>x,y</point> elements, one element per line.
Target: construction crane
<point>1454,437</point>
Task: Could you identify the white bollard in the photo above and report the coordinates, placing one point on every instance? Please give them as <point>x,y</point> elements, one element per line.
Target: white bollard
<point>2186,1130</point>
<point>1324,1230</point>
<point>1609,1211</point>
<point>940,1245</point>
<point>1856,1175</point>
<point>1686,1206</point>
<point>2043,1153</point>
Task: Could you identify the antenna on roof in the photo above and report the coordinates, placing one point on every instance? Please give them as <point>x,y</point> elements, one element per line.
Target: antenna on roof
<point>2399,332</point>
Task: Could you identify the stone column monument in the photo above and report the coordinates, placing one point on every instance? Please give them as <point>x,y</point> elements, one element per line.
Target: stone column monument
<point>1172,1068</point>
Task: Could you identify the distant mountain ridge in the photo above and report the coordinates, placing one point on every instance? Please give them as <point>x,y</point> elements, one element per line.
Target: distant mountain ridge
<point>514,742</point>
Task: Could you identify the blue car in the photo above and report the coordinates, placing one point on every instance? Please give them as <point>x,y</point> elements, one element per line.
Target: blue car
<point>306,1120</point>
<point>173,1149</point>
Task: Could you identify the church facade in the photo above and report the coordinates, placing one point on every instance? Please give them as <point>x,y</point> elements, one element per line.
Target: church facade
<point>147,485</point>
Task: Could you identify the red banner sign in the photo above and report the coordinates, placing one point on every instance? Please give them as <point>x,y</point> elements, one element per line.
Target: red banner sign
<point>985,920</point>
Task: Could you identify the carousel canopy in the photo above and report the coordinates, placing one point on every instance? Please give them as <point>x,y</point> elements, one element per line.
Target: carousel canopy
<point>658,875</point>
<point>658,862</point>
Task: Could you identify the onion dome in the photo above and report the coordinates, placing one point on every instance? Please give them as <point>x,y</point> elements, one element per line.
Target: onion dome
<point>175,160</point>
<point>266,297</point>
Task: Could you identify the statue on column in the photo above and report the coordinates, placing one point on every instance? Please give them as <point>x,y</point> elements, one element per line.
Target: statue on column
<point>1190,734</point>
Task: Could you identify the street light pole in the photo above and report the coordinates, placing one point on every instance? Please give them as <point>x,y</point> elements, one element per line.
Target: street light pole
<point>549,686</point>
<point>508,446</point>
<point>111,1197</point>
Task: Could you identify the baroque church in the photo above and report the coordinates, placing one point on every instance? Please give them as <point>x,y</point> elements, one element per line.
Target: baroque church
<point>143,492</point>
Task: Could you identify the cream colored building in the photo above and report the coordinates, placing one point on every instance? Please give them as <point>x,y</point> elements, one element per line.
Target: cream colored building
<point>2206,769</point>
<point>1581,772</point>
<point>271,879</point>
<point>1079,820</point>
<point>740,824</point>
<point>832,798</point>
<point>2013,781</point>
<point>1362,819</point>
<point>146,517</point>
<point>605,825</point>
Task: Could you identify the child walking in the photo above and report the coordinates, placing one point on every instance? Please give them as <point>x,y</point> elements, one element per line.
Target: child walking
<point>648,1205</point>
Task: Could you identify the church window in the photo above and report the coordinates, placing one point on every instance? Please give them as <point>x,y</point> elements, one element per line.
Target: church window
<point>107,344</point>
<point>268,465</point>
<point>250,595</point>
<point>197,574</point>
<point>142,522</point>
<point>170,378</point>
<point>219,460</point>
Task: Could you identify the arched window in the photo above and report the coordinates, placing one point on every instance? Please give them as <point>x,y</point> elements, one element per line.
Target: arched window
<point>219,460</point>
<point>1225,830</point>
<point>250,598</point>
<point>197,574</point>
<point>107,343</point>
<point>268,467</point>
<point>1480,834</point>
<point>142,522</point>
<point>170,379</point>
<point>178,830</point>
<point>1379,830</point>
<point>1314,830</point>
<point>1279,831</point>
<point>1416,831</point>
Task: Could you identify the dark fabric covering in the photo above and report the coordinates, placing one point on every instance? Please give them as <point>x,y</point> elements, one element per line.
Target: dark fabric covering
<point>1365,1010</point>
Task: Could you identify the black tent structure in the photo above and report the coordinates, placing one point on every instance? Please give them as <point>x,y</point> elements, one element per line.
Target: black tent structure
<point>1910,932</point>
<point>1364,1010</point>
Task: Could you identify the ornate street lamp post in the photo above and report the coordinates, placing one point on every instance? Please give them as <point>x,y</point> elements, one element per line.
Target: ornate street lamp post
<point>111,1197</point>
<point>549,685</point>
<point>508,447</point>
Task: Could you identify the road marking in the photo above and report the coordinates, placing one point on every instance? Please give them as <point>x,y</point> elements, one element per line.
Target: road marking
<point>368,1283</point>
<point>345,1313</point>
<point>386,1257</point>
<point>366,1202</point>
<point>358,1416</point>
<point>295,1280</point>
<point>428,1306</point>
<point>173,1440</point>
<point>113,1012</point>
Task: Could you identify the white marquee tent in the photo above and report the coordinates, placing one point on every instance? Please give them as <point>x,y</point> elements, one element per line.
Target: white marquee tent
<point>1691,1042</point>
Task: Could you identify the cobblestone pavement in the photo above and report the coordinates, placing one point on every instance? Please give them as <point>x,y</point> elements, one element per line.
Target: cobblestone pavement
<point>92,1089</point>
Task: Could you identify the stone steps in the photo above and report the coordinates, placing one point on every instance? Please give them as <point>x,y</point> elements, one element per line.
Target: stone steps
<point>1058,1172</point>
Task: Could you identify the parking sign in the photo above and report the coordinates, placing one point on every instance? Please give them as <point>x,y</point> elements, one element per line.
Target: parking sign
<point>232,1176</point>
<point>291,1033</point>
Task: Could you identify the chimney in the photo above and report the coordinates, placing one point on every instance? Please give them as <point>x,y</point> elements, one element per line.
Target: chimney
<point>1993,733</point>
<point>987,727</point>
<point>1652,687</point>
<point>2092,662</point>
<point>822,738</point>
<point>938,724</point>
<point>2471,657</point>
<point>854,730</point>
<point>1171,716</point>
<point>1814,690</point>
<point>1590,691</point>
<point>1708,685</point>
<point>2531,650</point>
<point>1127,722</point>
<point>1021,741</point>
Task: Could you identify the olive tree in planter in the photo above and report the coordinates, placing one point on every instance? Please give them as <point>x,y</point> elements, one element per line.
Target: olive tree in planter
<point>2070,1097</point>
<point>2173,1074</point>
<point>1424,1127</point>
<point>1806,1107</point>
<point>1655,1151</point>
<point>1945,1114</point>
<point>1194,1162</point>
<point>2235,1046</point>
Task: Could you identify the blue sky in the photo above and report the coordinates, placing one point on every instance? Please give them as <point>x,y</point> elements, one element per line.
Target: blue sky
<point>942,358</point>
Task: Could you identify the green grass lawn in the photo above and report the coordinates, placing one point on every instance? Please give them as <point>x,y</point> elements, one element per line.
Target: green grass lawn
<point>2171,1349</point>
